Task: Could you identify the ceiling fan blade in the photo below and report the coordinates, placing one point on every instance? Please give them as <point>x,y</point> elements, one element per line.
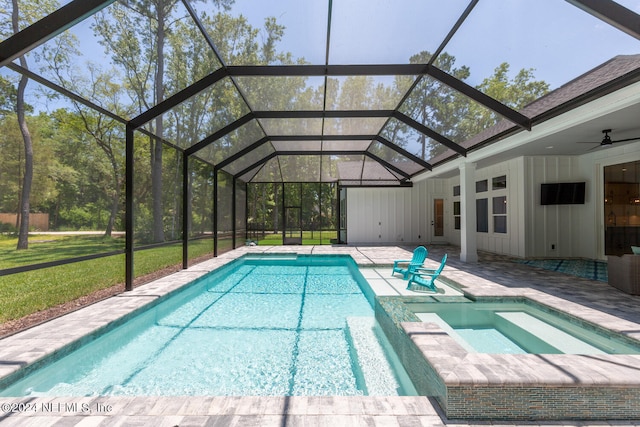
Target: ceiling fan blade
<point>598,147</point>
<point>626,140</point>
<point>606,141</point>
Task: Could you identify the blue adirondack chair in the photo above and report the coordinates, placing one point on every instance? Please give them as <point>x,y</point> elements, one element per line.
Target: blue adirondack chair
<point>407,266</point>
<point>426,277</point>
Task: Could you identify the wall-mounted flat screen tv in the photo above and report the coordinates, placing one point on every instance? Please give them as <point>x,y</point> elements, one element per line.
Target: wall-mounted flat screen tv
<point>562,193</point>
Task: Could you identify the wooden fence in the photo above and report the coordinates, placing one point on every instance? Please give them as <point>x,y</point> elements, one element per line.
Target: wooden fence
<point>37,221</point>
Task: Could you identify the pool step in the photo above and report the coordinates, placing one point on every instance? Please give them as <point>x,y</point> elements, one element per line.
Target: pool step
<point>556,338</point>
<point>434,318</point>
<point>276,256</point>
<point>374,366</point>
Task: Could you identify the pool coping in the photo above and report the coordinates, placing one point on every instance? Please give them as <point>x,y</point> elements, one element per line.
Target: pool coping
<point>273,411</point>
<point>29,346</point>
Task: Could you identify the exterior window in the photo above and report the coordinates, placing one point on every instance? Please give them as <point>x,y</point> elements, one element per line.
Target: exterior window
<point>500,214</point>
<point>499,182</point>
<point>500,224</point>
<point>482,215</point>
<point>491,207</point>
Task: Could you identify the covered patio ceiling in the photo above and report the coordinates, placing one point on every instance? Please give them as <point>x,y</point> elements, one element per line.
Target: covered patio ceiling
<point>359,92</point>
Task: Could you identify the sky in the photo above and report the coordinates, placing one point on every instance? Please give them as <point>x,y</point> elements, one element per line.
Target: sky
<point>556,39</point>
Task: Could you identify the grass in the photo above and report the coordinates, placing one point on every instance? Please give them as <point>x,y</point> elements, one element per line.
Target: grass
<point>52,247</point>
<point>308,238</point>
<point>26,293</point>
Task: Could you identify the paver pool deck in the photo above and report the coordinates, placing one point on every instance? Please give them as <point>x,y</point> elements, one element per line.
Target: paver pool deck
<point>493,275</point>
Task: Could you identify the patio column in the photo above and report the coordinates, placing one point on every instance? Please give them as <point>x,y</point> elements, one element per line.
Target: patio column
<point>128,212</point>
<point>186,211</point>
<point>468,235</point>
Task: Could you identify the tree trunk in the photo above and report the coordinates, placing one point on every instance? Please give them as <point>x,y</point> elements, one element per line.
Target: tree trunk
<point>156,190</point>
<point>156,145</point>
<point>115,205</point>
<point>56,212</point>
<point>275,208</point>
<point>23,233</point>
<point>177,196</point>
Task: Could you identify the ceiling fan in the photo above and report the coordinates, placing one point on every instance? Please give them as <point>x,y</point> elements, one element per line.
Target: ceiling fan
<point>606,139</point>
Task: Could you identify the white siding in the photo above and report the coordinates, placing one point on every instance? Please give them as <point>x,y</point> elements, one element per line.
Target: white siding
<point>511,242</point>
<point>553,230</point>
<point>369,216</point>
<point>392,215</point>
<point>404,215</point>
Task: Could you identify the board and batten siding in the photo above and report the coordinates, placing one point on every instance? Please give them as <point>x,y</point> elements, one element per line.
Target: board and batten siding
<point>404,215</point>
<point>574,231</point>
<point>513,241</point>
<point>394,215</point>
<point>557,230</point>
<point>379,215</point>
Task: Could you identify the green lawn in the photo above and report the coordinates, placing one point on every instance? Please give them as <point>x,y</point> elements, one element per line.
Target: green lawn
<point>53,247</point>
<point>25,293</point>
<point>308,238</point>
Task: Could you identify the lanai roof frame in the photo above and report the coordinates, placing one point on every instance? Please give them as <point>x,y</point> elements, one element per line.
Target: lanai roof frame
<point>76,10</point>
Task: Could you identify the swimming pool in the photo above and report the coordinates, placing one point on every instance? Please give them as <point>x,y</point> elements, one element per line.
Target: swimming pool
<point>263,326</point>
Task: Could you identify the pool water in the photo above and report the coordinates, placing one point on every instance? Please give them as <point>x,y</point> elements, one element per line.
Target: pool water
<point>517,328</point>
<point>263,327</point>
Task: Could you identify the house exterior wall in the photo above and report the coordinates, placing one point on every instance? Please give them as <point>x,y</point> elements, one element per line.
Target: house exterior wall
<point>554,230</point>
<point>394,215</point>
<point>576,231</point>
<point>513,241</point>
<point>378,215</point>
<point>403,216</point>
<point>381,215</point>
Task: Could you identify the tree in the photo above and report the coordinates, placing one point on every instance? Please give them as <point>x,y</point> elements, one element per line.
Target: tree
<point>8,94</point>
<point>220,104</point>
<point>515,93</point>
<point>108,135</point>
<point>47,168</point>
<point>453,115</point>
<point>23,231</point>
<point>11,152</point>
<point>102,88</point>
<point>136,35</point>
<point>435,105</point>
<point>32,12</point>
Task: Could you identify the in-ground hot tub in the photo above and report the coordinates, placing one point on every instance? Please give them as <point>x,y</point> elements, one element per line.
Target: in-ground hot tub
<point>519,328</point>
<point>593,383</point>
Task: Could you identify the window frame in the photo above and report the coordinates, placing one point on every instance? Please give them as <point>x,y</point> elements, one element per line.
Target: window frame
<point>499,217</point>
